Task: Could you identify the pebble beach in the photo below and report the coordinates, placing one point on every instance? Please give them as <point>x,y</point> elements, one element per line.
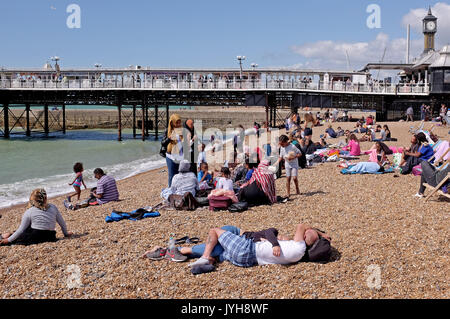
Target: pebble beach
<point>374,221</point>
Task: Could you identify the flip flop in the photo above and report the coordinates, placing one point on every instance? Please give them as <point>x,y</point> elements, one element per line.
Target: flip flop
<point>193,240</point>
<point>187,240</point>
<point>181,240</point>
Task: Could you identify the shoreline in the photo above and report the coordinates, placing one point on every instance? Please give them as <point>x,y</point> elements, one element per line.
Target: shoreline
<point>4,210</point>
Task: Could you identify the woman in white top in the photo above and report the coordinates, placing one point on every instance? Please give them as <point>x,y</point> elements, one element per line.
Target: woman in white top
<point>225,182</point>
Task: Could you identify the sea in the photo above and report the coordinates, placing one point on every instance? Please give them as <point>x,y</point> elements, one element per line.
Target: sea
<point>39,162</point>
<point>27,163</point>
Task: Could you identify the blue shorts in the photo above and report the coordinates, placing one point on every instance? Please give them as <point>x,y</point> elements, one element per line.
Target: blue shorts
<point>239,250</point>
<point>198,250</point>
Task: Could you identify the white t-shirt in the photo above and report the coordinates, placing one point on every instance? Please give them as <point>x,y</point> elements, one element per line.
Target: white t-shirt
<point>224,183</point>
<point>201,158</point>
<point>284,153</point>
<point>291,252</point>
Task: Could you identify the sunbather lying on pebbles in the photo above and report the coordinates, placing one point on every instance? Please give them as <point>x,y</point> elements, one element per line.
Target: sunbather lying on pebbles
<point>246,250</point>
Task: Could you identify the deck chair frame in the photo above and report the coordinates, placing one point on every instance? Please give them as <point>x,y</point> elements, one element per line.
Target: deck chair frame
<point>437,189</point>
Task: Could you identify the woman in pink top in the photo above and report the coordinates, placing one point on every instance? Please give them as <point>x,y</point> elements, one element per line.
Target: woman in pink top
<point>353,146</point>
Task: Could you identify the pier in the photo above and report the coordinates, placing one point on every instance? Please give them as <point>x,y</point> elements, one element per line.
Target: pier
<point>149,93</point>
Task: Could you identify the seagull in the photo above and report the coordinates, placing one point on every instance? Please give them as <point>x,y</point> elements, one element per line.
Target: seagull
<point>52,7</point>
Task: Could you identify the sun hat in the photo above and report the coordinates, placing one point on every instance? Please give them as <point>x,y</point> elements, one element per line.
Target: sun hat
<point>185,166</point>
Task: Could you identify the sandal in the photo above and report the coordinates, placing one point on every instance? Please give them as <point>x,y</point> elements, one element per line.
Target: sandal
<point>181,240</point>
<point>187,240</point>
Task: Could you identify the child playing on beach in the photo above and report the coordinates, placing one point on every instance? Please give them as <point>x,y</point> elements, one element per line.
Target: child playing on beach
<point>290,154</point>
<point>78,169</point>
<point>204,177</point>
<point>225,181</point>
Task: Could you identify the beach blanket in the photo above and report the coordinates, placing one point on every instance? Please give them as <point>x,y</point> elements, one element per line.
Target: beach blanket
<point>365,168</point>
<point>137,214</point>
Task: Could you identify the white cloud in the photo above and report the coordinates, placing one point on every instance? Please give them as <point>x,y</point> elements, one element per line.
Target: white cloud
<point>442,11</point>
<point>330,54</point>
<point>333,54</point>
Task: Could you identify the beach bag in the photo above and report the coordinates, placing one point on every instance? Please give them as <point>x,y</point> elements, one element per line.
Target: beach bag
<point>219,203</point>
<point>397,159</point>
<point>183,202</point>
<point>238,207</point>
<point>417,170</point>
<point>202,201</point>
<point>320,252</point>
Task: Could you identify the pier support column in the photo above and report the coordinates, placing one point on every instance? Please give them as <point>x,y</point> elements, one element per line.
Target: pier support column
<point>64,118</point>
<point>143,122</point>
<point>27,116</point>
<point>156,122</point>
<point>119,124</point>
<point>146,122</point>
<point>167,116</point>
<point>46,127</point>
<point>134,120</point>
<point>6,120</point>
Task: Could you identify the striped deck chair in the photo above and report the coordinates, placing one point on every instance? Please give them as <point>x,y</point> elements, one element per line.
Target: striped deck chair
<point>437,189</point>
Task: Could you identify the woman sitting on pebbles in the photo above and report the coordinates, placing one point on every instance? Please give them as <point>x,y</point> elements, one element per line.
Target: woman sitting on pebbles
<point>38,222</point>
<point>260,190</point>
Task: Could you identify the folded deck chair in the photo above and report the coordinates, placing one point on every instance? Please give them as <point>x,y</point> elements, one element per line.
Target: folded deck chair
<point>437,189</point>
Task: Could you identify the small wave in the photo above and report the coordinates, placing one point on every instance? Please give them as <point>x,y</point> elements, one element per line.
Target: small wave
<point>19,192</point>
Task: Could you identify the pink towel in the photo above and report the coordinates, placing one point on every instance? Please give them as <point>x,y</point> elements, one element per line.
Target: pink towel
<point>222,192</point>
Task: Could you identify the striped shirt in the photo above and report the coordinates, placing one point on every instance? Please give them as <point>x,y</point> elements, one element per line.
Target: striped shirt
<point>106,186</point>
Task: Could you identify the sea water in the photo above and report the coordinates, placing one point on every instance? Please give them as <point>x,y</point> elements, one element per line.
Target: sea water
<point>39,162</point>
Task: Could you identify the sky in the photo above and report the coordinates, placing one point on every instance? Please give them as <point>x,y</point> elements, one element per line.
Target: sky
<point>211,33</point>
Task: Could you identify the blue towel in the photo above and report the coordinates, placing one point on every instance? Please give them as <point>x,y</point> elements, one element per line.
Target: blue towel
<point>115,217</point>
<point>365,168</point>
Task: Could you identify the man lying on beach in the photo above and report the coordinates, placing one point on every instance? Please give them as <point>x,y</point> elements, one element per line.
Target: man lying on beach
<point>248,249</point>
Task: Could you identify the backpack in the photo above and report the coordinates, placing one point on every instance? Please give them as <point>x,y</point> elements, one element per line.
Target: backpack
<point>320,252</point>
<point>164,143</point>
<point>238,207</point>
<point>219,203</point>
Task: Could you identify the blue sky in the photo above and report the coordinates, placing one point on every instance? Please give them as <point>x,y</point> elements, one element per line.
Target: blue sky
<point>200,33</point>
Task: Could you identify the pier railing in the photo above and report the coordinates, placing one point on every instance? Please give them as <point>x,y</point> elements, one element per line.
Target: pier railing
<point>171,84</point>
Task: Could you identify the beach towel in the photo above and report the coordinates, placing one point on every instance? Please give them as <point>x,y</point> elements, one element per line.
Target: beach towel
<point>224,193</point>
<point>135,215</point>
<point>365,168</point>
<point>440,149</point>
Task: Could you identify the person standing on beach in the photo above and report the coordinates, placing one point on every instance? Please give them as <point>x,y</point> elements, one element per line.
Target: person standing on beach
<point>38,223</point>
<point>410,114</point>
<point>78,169</point>
<point>172,144</point>
<point>190,136</point>
<point>290,154</point>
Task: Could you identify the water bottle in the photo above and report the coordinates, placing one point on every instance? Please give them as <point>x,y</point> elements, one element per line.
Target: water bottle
<point>171,242</point>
